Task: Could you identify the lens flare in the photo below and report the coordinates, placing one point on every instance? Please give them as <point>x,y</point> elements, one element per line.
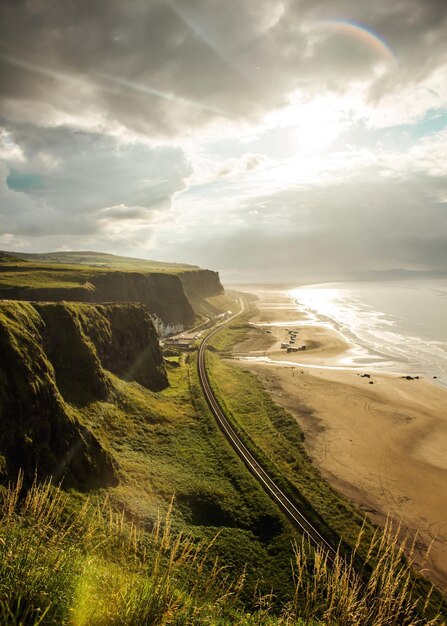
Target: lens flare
<point>364,34</point>
<point>151,91</point>
<point>83,81</point>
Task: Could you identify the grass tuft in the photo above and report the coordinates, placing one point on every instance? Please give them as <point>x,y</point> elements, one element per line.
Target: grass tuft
<point>336,593</point>
<point>93,568</point>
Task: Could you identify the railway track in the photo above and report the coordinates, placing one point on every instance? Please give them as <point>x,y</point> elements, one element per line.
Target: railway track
<point>268,484</point>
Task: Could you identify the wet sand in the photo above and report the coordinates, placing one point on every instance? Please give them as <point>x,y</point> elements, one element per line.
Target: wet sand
<point>380,440</point>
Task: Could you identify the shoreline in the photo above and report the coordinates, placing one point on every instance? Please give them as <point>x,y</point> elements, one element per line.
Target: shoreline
<point>376,436</point>
<point>413,349</point>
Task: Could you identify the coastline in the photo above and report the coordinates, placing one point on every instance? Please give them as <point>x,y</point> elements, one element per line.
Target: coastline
<point>377,437</point>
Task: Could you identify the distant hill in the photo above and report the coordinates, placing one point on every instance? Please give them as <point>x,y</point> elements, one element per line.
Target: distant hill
<point>6,257</point>
<point>397,274</point>
<point>96,259</point>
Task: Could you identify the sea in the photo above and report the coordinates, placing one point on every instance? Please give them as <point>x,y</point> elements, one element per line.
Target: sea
<point>397,326</point>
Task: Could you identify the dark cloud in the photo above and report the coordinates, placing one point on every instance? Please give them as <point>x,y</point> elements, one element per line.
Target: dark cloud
<point>178,59</point>
<point>88,88</point>
<point>169,65</point>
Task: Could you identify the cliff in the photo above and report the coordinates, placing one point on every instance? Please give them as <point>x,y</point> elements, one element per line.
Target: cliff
<point>53,359</point>
<point>200,284</point>
<point>173,297</point>
<point>126,343</point>
<point>162,293</point>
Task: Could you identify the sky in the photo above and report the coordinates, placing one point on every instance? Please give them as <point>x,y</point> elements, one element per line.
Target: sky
<point>288,140</point>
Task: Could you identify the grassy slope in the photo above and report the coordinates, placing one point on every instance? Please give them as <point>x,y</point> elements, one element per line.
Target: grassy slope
<point>65,270</point>
<point>100,259</point>
<point>163,443</point>
<point>213,305</point>
<point>275,438</point>
<point>167,443</point>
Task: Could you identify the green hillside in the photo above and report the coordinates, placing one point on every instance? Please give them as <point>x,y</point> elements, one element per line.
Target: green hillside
<point>156,521</point>
<point>72,269</point>
<point>174,293</point>
<point>98,259</point>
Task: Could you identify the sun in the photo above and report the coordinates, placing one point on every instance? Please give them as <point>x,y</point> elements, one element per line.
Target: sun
<point>314,124</point>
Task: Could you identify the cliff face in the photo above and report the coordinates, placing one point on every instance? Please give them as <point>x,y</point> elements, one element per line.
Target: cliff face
<point>174,298</point>
<point>79,375</point>
<point>52,359</point>
<point>38,431</point>
<point>127,344</point>
<point>205,292</point>
<point>47,294</point>
<point>163,294</point>
<point>201,284</point>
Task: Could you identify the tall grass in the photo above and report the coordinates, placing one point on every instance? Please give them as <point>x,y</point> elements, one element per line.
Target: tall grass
<point>38,567</point>
<point>94,568</point>
<point>91,567</point>
<point>337,593</point>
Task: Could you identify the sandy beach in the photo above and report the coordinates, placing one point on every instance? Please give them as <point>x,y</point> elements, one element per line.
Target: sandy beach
<point>378,438</point>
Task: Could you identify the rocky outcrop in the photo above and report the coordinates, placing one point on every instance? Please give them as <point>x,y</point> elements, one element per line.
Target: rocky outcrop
<point>201,284</point>
<point>53,358</point>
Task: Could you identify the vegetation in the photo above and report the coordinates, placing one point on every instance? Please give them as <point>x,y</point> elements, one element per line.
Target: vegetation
<point>38,429</point>
<point>70,275</point>
<point>87,566</point>
<point>152,443</point>
<point>213,305</point>
<point>55,276</point>
<point>230,335</point>
<point>94,259</point>
<point>222,555</point>
<point>275,438</point>
<point>167,443</point>
<point>173,293</point>
<point>90,567</point>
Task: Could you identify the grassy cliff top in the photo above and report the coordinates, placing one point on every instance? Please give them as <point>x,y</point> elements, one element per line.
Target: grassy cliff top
<point>73,269</point>
<point>101,260</point>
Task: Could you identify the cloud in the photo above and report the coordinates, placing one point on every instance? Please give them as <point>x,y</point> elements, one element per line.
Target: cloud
<point>379,210</point>
<point>166,67</point>
<point>62,181</point>
<point>302,132</point>
<point>246,163</point>
<point>154,67</point>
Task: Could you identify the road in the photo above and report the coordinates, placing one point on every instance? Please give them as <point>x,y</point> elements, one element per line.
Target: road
<point>269,485</point>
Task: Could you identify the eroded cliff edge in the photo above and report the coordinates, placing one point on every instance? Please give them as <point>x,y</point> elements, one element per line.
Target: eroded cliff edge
<point>54,358</point>
<point>175,298</point>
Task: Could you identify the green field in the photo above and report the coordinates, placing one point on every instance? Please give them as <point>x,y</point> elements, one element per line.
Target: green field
<point>167,444</point>
<point>65,270</point>
<point>102,556</point>
<point>96,259</point>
